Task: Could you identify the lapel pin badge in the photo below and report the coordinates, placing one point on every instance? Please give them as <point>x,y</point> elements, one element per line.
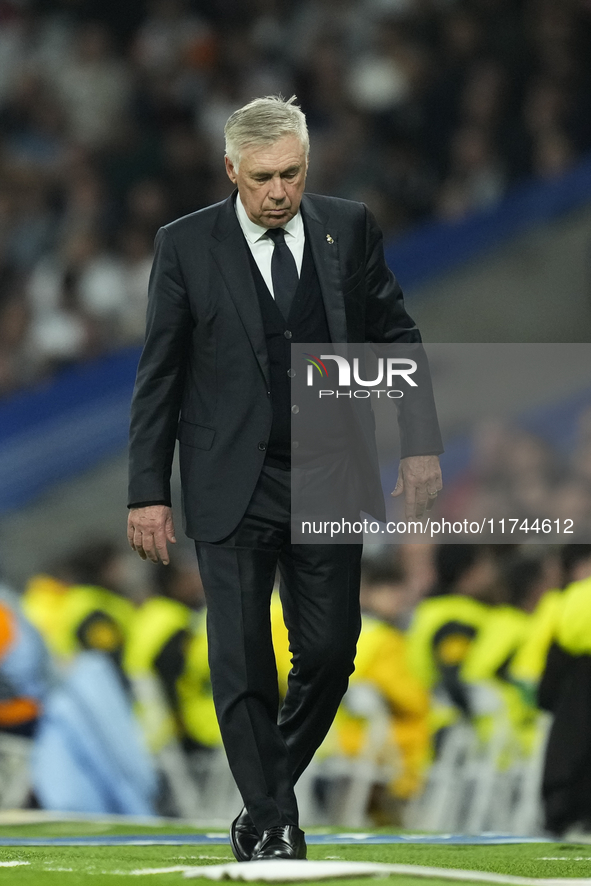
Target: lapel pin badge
<point>329,239</point>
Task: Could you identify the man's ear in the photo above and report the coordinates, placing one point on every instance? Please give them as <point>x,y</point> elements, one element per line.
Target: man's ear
<point>230,170</point>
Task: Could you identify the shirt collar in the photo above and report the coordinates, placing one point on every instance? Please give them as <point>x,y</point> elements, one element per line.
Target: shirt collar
<point>254,232</point>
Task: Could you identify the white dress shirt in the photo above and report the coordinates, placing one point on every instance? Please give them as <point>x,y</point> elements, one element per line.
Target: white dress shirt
<point>262,246</point>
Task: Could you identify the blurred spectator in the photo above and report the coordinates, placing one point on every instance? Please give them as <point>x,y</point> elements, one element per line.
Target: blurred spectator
<point>381,667</point>
<point>565,691</point>
<point>476,178</point>
<point>576,563</point>
<point>497,701</point>
<point>86,591</point>
<point>517,474</point>
<point>385,594</point>
<point>173,38</point>
<point>94,85</point>
<point>14,317</point>
<point>570,563</point>
<point>44,601</point>
<point>446,624</point>
<point>417,562</point>
<point>25,672</point>
<point>167,641</point>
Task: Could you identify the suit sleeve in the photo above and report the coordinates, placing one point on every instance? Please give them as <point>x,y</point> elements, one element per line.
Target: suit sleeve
<point>160,379</point>
<point>386,319</point>
<point>387,323</point>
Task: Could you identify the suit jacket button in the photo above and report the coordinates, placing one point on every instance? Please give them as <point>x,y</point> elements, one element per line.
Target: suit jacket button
<point>262,446</point>
<point>291,373</point>
<point>295,409</point>
<point>287,333</point>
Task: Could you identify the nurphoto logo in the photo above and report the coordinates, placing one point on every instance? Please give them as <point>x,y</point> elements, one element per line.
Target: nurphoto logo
<point>390,370</point>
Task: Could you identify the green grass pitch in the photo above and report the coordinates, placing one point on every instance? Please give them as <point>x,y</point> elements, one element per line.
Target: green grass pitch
<point>107,866</point>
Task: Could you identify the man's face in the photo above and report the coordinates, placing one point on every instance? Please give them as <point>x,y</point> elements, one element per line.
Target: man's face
<point>270,180</point>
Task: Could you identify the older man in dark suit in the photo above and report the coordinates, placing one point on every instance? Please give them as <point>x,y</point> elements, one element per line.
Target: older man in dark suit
<point>232,286</point>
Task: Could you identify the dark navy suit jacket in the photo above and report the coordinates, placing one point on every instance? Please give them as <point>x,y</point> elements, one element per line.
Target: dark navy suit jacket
<point>204,376</point>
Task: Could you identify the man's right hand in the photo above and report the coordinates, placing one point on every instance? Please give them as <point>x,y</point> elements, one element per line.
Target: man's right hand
<point>149,530</point>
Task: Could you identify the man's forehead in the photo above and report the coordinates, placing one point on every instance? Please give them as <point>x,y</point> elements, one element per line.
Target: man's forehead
<point>274,156</point>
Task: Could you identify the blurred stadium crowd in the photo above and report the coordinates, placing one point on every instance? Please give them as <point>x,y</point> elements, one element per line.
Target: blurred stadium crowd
<point>111,118</point>
<point>515,473</point>
<point>455,637</point>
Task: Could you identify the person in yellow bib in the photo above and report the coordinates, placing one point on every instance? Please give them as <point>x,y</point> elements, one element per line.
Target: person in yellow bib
<point>528,663</point>
<point>445,625</point>
<point>498,700</point>
<point>382,664</point>
<point>43,602</point>
<point>565,691</point>
<point>167,643</point>
<point>88,611</point>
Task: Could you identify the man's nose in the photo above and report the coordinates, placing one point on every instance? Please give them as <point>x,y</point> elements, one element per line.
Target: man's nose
<point>277,190</point>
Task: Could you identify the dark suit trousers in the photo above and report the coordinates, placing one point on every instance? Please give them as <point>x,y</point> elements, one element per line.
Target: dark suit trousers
<point>268,748</point>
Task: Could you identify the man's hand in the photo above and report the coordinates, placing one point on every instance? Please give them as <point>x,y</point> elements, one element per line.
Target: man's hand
<point>148,531</point>
<point>419,477</point>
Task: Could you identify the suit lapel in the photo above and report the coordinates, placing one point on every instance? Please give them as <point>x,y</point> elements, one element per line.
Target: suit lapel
<point>326,259</point>
<point>232,259</point>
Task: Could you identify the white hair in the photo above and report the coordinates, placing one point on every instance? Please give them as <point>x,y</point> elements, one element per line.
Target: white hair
<point>264,121</point>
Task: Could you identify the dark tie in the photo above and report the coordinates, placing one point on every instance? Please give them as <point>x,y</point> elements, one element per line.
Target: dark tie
<point>284,272</point>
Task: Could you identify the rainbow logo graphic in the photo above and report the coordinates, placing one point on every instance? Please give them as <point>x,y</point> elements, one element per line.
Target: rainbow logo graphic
<point>317,362</point>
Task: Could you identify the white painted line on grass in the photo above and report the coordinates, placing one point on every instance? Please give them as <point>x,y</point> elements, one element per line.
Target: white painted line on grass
<point>287,871</point>
<point>12,864</point>
<point>177,869</point>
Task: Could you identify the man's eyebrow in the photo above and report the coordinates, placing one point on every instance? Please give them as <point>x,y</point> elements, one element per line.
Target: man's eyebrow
<point>265,173</point>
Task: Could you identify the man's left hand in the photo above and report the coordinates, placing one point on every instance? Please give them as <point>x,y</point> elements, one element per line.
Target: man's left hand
<point>419,478</point>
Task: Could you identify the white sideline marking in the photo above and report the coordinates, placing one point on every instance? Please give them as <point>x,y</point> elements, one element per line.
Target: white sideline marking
<point>177,869</point>
<point>172,870</point>
<point>12,864</point>
<point>283,871</point>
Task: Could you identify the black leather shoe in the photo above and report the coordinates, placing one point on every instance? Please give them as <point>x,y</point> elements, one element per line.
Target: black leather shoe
<point>243,837</point>
<point>283,841</point>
